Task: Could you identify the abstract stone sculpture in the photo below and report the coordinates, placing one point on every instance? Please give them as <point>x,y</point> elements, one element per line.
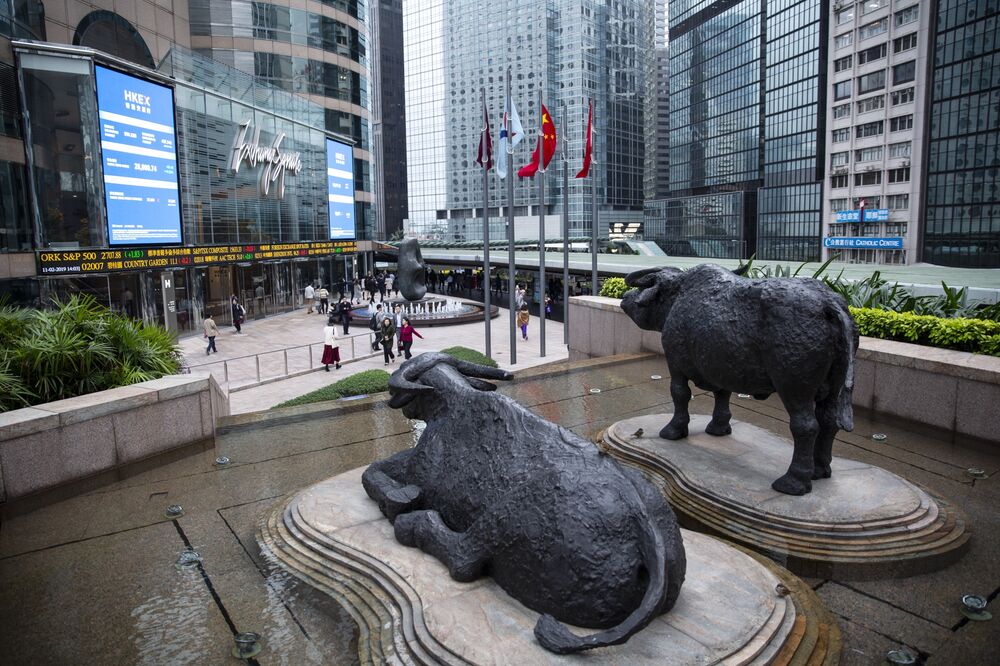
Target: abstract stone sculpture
<point>726,333</point>
<point>411,271</point>
<point>493,488</point>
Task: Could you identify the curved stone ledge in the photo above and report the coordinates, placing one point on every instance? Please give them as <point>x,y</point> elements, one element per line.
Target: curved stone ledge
<point>863,523</point>
<point>735,607</point>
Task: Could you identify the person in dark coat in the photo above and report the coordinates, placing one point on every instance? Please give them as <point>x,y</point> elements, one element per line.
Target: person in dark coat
<point>344,314</point>
<point>239,312</point>
<point>387,335</point>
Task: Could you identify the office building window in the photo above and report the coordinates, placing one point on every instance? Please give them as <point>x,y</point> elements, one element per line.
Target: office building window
<point>842,111</point>
<point>904,73</point>
<point>840,64</point>
<point>900,123</point>
<point>839,204</point>
<point>842,90</point>
<point>840,135</point>
<point>838,181</point>
<point>870,202</point>
<point>872,29</point>
<point>837,159</point>
<point>908,15</point>
<point>872,54</point>
<point>870,82</point>
<point>845,15</point>
<point>904,43</point>
<point>901,149</point>
<point>898,201</point>
<point>843,40</point>
<point>869,6</point>
<point>902,96</point>
<point>868,178</point>
<point>871,104</point>
<point>870,129</point>
<point>901,175</point>
<point>868,154</point>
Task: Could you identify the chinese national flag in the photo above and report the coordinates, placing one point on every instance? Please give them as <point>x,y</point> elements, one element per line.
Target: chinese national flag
<point>546,143</point>
<point>590,143</point>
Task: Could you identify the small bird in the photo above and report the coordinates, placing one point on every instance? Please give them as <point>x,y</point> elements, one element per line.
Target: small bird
<point>781,590</point>
<point>637,433</point>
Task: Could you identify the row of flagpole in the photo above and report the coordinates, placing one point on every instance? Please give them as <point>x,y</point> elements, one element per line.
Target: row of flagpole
<point>511,133</point>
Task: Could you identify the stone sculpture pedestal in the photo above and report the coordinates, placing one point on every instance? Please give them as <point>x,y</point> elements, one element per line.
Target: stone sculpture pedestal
<point>863,523</point>
<point>735,606</point>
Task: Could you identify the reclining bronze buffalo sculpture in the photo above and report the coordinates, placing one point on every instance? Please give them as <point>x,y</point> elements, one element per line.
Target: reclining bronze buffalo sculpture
<point>727,333</point>
<point>491,488</point>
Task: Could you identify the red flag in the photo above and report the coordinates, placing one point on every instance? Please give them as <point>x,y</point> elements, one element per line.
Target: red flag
<point>590,143</point>
<point>546,142</point>
<point>485,143</point>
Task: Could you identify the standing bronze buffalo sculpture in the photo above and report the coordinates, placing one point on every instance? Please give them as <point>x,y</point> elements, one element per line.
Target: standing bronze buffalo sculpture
<point>727,333</point>
<point>491,488</point>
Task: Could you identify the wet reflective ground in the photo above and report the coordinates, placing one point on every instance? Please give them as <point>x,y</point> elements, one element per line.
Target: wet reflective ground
<point>91,578</point>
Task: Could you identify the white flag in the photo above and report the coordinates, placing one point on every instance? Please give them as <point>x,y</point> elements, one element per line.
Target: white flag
<point>511,126</point>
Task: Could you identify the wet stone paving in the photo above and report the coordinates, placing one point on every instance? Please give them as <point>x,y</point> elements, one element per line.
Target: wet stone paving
<point>91,574</point>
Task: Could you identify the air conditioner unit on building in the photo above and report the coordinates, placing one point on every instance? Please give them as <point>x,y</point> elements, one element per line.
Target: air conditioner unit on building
<point>905,163</point>
<point>840,170</point>
<point>871,168</point>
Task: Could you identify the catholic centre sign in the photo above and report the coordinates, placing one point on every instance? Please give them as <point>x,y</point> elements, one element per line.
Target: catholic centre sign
<point>273,161</point>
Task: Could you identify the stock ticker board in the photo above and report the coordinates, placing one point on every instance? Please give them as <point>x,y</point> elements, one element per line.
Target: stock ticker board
<point>81,262</point>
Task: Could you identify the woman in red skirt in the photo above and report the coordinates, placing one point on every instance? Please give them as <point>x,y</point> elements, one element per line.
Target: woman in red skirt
<point>331,350</point>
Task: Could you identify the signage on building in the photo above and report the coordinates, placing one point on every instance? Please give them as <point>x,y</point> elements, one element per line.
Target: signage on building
<point>871,215</point>
<point>340,189</point>
<point>76,262</point>
<point>139,159</point>
<point>274,163</point>
<point>845,243</point>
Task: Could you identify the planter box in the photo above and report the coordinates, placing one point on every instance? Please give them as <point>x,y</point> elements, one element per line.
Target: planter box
<point>957,391</point>
<point>51,444</point>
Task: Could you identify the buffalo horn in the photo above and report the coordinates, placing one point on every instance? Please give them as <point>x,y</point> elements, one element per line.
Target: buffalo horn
<point>633,278</point>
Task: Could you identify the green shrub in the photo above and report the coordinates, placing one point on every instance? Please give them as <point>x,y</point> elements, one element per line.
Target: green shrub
<point>614,287</point>
<point>366,382</point>
<point>971,335</point>
<point>470,355</point>
<point>78,347</point>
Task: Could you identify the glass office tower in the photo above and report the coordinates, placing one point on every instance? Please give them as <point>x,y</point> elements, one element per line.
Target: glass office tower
<point>745,162</point>
<point>571,52</point>
<point>962,224</point>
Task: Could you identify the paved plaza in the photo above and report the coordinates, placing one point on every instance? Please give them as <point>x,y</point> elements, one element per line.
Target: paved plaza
<point>287,338</point>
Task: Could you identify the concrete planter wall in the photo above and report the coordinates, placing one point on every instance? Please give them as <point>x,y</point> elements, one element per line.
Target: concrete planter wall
<point>51,444</point>
<point>957,391</point>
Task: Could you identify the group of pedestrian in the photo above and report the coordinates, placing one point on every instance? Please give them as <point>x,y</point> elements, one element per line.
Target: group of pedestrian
<point>387,326</point>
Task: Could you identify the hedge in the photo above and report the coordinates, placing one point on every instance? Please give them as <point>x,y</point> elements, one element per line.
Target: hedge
<point>980,336</point>
<point>470,355</point>
<point>614,287</point>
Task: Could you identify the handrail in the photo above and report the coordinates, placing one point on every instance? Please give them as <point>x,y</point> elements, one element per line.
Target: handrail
<point>285,349</point>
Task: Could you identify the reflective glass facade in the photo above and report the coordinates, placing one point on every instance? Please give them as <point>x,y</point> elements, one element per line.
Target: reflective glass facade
<point>569,51</point>
<point>962,225</point>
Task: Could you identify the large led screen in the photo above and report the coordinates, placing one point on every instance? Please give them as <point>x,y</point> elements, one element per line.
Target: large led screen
<point>139,154</point>
<point>340,189</point>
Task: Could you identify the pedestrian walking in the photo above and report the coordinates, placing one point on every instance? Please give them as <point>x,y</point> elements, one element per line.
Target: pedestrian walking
<point>390,280</point>
<point>310,294</point>
<point>522,320</point>
<point>406,333</point>
<point>239,312</point>
<point>324,299</point>
<point>344,314</point>
<point>387,334</point>
<point>357,291</point>
<point>380,285</point>
<point>519,297</point>
<point>211,330</point>
<point>331,350</point>
<point>376,320</point>
<point>370,288</point>
<point>397,320</point>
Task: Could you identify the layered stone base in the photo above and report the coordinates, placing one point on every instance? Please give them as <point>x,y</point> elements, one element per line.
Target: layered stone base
<point>862,523</point>
<point>735,606</point>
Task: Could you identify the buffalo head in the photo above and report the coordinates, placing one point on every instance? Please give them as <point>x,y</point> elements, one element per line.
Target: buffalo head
<point>422,385</point>
<point>649,302</point>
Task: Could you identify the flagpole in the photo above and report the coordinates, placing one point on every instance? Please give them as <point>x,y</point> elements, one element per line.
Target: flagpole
<point>541,227</point>
<point>565,228</point>
<point>484,139</point>
<point>510,229</point>
<point>593,209</point>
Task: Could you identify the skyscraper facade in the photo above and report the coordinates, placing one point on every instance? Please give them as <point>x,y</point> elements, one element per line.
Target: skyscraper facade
<point>571,52</point>
<point>388,118</point>
<point>746,88</point>
<point>962,219</point>
<point>657,98</point>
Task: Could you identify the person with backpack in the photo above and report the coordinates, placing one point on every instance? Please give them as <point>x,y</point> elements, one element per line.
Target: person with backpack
<point>374,324</point>
<point>239,313</point>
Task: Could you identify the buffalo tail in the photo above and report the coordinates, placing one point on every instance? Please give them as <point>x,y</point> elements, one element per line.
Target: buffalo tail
<point>845,401</point>
<point>555,637</point>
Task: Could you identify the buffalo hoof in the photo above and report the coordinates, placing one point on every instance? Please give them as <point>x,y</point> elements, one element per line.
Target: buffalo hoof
<point>821,471</point>
<point>673,431</point>
<point>405,529</point>
<point>398,500</point>
<point>718,429</point>
<point>790,485</point>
